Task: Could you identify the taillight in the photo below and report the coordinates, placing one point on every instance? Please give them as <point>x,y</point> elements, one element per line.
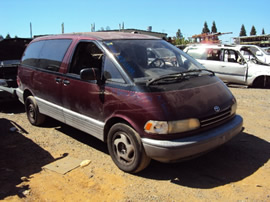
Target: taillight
<point>18,81</point>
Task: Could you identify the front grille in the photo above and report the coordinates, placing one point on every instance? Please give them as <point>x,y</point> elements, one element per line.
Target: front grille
<point>215,119</point>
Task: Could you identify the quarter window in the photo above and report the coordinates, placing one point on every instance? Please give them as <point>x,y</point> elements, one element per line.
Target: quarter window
<point>111,73</point>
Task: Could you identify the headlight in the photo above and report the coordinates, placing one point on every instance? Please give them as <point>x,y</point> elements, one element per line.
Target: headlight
<point>233,108</point>
<point>164,127</point>
<point>158,127</point>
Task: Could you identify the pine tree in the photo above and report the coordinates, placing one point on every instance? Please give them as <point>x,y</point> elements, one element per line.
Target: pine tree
<point>243,31</point>
<point>263,32</point>
<point>253,31</point>
<point>205,28</point>
<point>214,28</point>
<point>8,36</point>
<point>179,35</point>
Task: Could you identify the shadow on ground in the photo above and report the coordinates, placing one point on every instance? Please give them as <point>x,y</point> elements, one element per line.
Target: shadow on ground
<point>232,162</point>
<point>12,106</point>
<point>19,157</point>
<point>76,134</point>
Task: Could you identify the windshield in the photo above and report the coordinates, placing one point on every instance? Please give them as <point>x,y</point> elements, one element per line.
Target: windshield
<point>265,50</point>
<point>147,59</point>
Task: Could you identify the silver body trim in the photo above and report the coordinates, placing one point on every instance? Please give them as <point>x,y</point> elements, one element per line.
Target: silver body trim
<point>74,119</point>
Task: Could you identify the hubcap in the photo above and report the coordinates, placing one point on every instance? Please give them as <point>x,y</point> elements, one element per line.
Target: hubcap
<point>124,149</point>
<point>31,111</point>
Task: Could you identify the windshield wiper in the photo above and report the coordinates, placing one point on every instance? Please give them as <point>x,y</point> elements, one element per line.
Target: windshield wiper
<point>177,76</point>
<point>198,70</point>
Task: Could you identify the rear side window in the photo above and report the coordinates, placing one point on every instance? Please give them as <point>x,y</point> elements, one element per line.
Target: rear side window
<point>30,57</point>
<point>46,54</point>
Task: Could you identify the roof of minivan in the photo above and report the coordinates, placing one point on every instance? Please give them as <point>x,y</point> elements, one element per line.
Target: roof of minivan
<point>104,35</point>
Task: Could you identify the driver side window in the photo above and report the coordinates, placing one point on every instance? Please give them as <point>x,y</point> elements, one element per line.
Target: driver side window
<point>86,55</point>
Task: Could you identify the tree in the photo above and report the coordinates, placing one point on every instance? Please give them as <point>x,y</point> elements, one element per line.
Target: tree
<point>263,31</point>
<point>179,39</point>
<point>243,31</point>
<point>253,31</point>
<point>179,35</point>
<point>214,28</point>
<point>8,36</point>
<point>205,28</point>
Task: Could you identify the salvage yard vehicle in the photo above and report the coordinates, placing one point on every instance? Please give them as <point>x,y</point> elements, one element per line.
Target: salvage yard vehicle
<point>248,51</point>
<point>11,51</point>
<point>231,66</point>
<point>144,107</point>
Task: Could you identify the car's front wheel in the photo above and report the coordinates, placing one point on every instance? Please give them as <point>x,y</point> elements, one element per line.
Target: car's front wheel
<point>126,149</point>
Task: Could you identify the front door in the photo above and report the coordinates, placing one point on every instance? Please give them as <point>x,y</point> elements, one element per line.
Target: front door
<point>233,67</point>
<point>82,100</point>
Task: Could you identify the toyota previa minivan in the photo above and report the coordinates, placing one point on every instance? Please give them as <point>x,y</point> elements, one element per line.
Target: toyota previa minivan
<point>143,97</point>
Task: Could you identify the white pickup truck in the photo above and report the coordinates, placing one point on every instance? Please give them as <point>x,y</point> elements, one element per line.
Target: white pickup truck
<point>231,66</point>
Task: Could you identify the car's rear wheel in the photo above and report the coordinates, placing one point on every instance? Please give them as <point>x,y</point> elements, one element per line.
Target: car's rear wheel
<point>32,111</point>
<point>126,149</point>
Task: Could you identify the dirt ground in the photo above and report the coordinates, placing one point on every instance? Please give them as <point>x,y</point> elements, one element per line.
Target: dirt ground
<point>237,171</point>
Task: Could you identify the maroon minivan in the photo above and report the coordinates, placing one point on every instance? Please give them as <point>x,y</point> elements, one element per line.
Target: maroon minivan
<point>141,95</point>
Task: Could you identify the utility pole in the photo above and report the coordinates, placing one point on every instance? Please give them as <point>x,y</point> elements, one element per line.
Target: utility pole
<point>31,30</point>
<point>93,27</point>
<point>63,28</point>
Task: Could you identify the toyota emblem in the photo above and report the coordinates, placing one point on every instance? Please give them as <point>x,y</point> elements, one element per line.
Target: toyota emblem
<point>216,108</point>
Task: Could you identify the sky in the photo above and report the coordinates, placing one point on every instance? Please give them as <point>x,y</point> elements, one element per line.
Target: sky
<point>167,16</point>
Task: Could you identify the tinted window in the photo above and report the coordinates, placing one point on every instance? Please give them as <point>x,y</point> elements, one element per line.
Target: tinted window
<point>52,54</point>
<point>30,57</point>
<point>46,54</point>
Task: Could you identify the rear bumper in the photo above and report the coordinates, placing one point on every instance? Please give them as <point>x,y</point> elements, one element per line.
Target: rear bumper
<point>7,93</point>
<point>175,150</point>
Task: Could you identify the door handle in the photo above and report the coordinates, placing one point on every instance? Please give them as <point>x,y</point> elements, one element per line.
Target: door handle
<point>58,80</point>
<point>66,82</point>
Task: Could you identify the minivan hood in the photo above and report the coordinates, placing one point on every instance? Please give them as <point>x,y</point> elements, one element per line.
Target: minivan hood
<point>197,102</point>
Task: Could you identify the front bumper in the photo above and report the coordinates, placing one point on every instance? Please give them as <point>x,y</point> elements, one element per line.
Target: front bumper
<point>175,150</point>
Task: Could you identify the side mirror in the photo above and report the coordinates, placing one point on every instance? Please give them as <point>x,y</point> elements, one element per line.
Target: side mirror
<point>90,74</point>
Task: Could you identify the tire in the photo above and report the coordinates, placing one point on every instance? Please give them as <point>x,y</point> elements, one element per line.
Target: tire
<point>32,111</point>
<point>126,149</point>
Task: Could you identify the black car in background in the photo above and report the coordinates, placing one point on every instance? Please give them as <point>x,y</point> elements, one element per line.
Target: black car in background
<point>11,51</point>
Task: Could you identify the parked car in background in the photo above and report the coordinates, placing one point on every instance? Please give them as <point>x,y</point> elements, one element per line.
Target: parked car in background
<point>259,52</point>
<point>139,94</point>
<point>11,51</point>
<point>231,66</point>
